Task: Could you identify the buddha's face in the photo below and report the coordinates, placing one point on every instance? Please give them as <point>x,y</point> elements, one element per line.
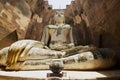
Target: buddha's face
<point>59,17</point>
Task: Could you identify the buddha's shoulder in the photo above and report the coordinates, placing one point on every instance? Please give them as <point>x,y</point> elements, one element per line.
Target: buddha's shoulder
<point>51,26</point>
<point>66,26</point>
<point>54,26</point>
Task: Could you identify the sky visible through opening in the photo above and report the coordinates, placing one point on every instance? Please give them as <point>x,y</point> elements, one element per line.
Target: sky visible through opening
<point>59,4</point>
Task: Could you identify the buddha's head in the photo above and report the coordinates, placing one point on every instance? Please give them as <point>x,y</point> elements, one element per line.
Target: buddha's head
<point>59,17</point>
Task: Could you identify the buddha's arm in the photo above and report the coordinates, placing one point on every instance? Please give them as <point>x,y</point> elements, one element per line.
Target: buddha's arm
<point>70,37</point>
<point>46,35</point>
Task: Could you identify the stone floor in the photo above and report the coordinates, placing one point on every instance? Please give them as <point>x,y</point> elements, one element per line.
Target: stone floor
<point>71,75</point>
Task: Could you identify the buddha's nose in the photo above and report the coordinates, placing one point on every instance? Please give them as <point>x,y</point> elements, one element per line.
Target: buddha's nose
<point>59,15</point>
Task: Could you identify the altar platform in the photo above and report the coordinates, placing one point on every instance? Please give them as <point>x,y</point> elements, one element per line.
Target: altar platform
<point>68,75</point>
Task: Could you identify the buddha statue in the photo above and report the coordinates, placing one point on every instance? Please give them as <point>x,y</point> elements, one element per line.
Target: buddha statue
<point>56,43</point>
<point>58,36</point>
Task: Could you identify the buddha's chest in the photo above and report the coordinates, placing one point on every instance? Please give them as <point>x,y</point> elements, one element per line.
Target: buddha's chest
<point>59,31</point>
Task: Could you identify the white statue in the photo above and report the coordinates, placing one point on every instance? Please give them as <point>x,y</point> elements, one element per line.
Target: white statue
<point>57,43</point>
<point>58,36</point>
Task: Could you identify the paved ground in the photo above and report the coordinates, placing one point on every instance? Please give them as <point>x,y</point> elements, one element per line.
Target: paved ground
<point>81,75</point>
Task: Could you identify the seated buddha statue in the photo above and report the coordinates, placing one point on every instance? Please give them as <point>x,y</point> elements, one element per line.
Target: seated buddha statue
<point>58,36</point>
<point>57,43</point>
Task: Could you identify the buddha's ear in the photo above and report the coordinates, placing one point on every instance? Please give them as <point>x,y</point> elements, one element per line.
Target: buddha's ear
<point>56,12</point>
<point>64,22</point>
<point>54,21</point>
